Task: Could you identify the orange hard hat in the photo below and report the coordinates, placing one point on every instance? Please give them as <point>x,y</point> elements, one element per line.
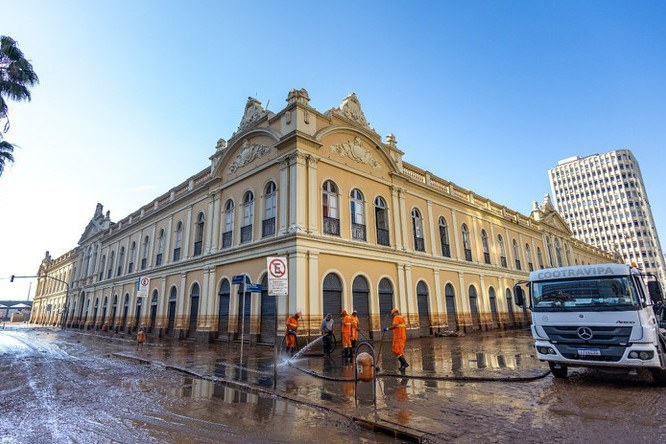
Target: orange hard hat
<point>344,313</point>
<point>394,311</point>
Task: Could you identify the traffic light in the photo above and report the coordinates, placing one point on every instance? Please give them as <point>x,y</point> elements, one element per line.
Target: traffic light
<point>12,278</point>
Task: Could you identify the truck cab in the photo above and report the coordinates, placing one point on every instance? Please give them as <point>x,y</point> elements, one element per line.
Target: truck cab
<point>601,315</point>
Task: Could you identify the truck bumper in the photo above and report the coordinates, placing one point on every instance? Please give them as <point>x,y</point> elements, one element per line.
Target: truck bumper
<point>581,360</point>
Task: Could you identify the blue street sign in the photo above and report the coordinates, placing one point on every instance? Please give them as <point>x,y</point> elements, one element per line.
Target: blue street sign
<point>238,279</point>
<point>253,288</point>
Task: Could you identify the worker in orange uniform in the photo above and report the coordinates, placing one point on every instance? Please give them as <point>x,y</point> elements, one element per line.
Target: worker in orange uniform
<point>290,338</point>
<point>346,336</point>
<point>354,329</point>
<point>399,328</point>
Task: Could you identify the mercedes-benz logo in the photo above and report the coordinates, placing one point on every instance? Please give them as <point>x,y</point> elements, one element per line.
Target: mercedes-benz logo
<point>585,333</point>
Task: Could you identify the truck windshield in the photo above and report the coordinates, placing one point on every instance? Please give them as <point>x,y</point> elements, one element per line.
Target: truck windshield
<point>593,294</point>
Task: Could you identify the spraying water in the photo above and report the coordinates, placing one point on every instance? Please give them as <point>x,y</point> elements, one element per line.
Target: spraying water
<point>306,348</point>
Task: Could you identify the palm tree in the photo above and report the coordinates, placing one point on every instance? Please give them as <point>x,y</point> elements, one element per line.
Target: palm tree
<point>6,150</point>
<point>16,75</point>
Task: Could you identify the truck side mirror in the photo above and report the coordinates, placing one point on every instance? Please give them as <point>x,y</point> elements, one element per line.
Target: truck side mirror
<point>519,294</point>
<point>655,292</point>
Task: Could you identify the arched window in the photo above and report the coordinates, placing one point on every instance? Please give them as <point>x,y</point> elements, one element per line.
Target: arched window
<point>549,250</point>
<point>417,226</point>
<point>444,237</point>
<point>270,205</point>
<point>229,212</point>
<point>94,260</point>
<point>528,256</point>
<point>451,315</point>
<point>381,222</point>
<point>121,261</point>
<point>179,241</point>
<point>88,257</point>
<point>144,256</point>
<point>516,254</point>
<point>132,255</point>
<point>558,252</point>
<point>502,250</point>
<point>101,268</point>
<point>160,248</point>
<point>567,254</point>
<point>357,210</point>
<point>199,234</point>
<point>467,245</point>
<point>248,217</point>
<point>486,248</point>
<point>110,269</point>
<point>540,258</point>
<point>329,199</point>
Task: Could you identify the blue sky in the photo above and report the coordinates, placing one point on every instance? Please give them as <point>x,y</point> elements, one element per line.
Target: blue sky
<point>134,95</point>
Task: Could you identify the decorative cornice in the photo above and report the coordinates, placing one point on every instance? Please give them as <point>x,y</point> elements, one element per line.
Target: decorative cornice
<point>355,151</point>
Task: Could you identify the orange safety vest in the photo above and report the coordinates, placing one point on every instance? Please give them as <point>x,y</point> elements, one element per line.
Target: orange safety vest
<point>292,324</point>
<point>347,325</point>
<point>354,329</point>
<point>400,330</point>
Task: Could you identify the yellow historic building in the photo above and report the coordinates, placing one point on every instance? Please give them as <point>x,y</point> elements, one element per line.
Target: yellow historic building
<point>361,229</point>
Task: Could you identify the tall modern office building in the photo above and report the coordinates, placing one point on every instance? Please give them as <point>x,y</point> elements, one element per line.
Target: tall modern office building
<point>603,198</point>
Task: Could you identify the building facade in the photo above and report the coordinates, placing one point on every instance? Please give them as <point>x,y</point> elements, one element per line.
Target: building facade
<point>361,230</point>
<point>604,200</point>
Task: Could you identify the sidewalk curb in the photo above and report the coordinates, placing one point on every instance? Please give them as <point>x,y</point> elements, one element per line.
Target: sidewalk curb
<point>378,425</point>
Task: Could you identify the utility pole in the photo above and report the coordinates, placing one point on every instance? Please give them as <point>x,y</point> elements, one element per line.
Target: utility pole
<point>66,308</point>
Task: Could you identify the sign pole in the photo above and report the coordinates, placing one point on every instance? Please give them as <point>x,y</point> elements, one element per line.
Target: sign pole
<point>276,345</point>
<point>242,287</point>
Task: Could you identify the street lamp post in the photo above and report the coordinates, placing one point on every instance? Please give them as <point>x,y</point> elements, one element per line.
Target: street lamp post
<point>66,308</point>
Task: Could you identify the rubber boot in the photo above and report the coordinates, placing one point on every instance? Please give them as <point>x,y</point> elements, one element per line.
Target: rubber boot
<point>403,363</point>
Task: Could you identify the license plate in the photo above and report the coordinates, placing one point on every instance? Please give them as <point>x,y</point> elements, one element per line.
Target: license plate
<point>589,352</point>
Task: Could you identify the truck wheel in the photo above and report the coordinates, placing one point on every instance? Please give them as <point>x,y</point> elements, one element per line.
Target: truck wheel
<point>659,377</point>
<point>558,370</point>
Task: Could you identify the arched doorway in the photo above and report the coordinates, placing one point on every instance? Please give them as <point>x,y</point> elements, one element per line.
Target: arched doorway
<point>424,308</point>
<point>94,318</point>
<point>82,300</point>
<point>125,312</point>
<point>248,309</point>
<point>267,327</point>
<point>385,301</point>
<point>137,317</point>
<point>332,300</point>
<point>194,309</point>
<point>153,312</point>
<point>493,306</point>
<point>360,295</point>
<point>104,306</point>
<point>171,317</point>
<point>451,315</point>
<point>474,308</point>
<point>114,310</point>
<point>509,306</point>
<point>223,310</point>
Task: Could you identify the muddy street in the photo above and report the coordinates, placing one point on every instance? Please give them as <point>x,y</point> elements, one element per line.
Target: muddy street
<point>72,387</point>
<point>55,388</point>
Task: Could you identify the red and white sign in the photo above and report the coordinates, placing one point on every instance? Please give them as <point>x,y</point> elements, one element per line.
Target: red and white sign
<point>278,278</point>
<point>143,287</point>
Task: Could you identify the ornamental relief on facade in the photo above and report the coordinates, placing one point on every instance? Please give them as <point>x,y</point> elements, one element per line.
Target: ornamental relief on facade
<point>351,109</point>
<point>355,151</point>
<point>249,152</point>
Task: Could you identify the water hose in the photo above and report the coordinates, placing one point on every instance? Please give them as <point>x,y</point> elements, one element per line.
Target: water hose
<point>429,378</point>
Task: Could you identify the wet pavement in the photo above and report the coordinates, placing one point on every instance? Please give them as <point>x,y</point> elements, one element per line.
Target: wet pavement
<point>68,386</point>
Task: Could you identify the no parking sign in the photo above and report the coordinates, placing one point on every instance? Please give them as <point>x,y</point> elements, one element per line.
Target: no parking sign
<point>278,279</point>
<point>144,285</point>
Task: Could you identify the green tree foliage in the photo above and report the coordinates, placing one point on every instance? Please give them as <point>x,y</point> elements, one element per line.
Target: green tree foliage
<point>16,75</point>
